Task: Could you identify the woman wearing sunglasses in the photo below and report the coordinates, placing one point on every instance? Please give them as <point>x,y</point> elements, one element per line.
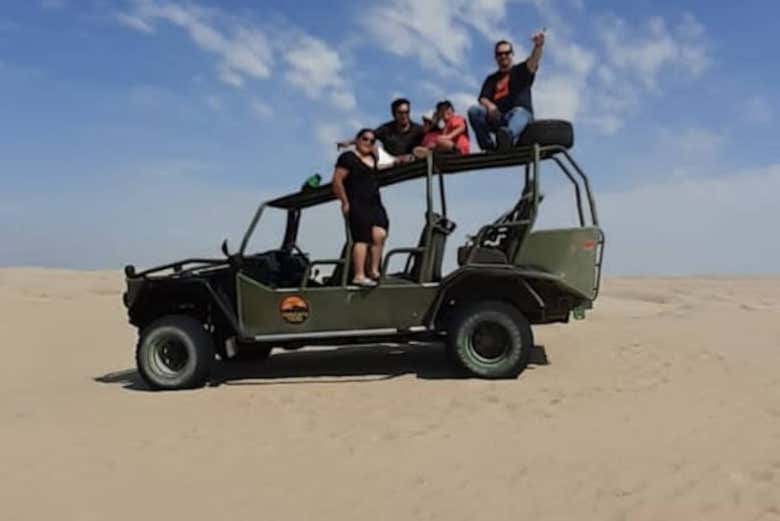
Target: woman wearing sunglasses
<point>356,186</point>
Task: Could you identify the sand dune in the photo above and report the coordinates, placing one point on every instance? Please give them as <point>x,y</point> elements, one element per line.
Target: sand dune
<point>664,404</point>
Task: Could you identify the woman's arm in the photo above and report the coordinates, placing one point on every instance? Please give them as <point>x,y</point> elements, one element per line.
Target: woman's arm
<point>339,174</point>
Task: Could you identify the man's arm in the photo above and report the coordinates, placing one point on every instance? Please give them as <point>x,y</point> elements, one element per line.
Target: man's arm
<point>484,97</point>
<point>536,54</point>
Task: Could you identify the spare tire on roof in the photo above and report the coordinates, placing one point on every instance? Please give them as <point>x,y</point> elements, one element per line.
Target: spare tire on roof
<point>548,132</point>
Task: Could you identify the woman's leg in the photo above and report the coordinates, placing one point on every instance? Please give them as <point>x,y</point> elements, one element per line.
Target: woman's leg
<point>359,250</point>
<point>378,237</point>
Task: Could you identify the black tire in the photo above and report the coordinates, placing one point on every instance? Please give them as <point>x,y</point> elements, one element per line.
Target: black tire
<point>174,352</point>
<point>548,132</point>
<point>491,339</point>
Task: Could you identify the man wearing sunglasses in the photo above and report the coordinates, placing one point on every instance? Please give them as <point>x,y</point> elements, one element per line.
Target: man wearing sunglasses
<point>398,137</point>
<point>505,106</point>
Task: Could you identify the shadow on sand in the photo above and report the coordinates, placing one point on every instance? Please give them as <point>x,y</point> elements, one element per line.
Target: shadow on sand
<point>371,363</point>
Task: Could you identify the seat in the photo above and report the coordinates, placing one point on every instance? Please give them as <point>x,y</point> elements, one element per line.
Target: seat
<point>500,246</point>
<point>427,268</point>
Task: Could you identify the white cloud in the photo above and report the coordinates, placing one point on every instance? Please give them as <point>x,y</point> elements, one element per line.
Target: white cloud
<point>316,69</point>
<point>134,22</point>
<point>425,30</point>
<point>243,52</point>
<point>603,85</point>
<point>246,52</point>
<point>645,51</point>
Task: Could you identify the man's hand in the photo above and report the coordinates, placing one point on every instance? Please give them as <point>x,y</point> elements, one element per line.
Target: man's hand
<point>493,114</point>
<point>536,54</point>
<point>345,208</point>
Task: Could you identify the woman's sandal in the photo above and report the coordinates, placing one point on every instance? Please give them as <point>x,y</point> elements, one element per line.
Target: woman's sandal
<point>364,283</point>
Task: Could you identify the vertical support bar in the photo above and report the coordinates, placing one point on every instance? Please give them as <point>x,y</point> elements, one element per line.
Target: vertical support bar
<point>426,256</point>
<point>348,253</point>
<point>536,185</point>
<point>591,202</point>
<point>577,193</point>
<point>251,228</point>
<point>527,175</point>
<point>442,194</point>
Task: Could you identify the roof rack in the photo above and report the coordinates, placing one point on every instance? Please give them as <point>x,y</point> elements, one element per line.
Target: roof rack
<point>446,163</point>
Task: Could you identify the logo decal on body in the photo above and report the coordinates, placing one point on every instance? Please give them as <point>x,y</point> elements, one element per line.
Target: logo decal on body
<point>294,310</point>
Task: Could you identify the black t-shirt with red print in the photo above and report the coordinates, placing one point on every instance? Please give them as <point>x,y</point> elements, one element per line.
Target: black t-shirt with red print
<point>510,89</point>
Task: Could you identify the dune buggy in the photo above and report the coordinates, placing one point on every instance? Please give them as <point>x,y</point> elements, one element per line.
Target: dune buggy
<point>509,277</point>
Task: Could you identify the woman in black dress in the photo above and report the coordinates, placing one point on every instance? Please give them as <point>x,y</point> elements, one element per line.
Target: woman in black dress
<point>356,186</point>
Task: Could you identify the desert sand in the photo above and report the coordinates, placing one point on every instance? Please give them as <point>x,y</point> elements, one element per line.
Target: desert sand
<point>664,404</point>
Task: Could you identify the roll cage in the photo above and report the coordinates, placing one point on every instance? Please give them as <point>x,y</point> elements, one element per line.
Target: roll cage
<point>512,227</point>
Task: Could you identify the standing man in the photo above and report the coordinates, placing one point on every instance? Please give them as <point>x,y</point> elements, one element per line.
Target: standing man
<point>398,137</point>
<point>505,106</point>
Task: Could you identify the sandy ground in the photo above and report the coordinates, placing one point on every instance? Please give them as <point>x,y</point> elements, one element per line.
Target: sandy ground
<point>664,404</point>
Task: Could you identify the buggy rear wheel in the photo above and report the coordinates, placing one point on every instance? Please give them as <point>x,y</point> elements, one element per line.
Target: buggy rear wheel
<point>174,352</point>
<point>491,340</point>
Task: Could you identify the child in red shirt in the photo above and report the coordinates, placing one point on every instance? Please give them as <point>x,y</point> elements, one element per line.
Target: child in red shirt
<point>454,137</point>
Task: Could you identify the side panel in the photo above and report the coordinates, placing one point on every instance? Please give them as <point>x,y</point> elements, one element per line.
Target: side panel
<point>571,254</point>
<point>331,309</point>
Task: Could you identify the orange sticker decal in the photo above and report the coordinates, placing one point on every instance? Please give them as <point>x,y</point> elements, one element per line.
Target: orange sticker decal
<point>294,309</point>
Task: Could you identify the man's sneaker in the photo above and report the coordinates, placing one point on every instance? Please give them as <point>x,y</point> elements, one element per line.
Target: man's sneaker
<point>503,140</point>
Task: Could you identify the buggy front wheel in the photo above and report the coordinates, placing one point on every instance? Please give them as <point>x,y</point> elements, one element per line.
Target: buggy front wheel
<point>175,352</point>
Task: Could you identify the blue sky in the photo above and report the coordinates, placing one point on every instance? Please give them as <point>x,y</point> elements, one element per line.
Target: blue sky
<point>145,130</point>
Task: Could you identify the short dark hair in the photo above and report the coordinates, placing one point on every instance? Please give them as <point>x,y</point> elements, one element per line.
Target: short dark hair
<point>364,131</point>
<point>443,105</point>
<point>503,42</point>
<point>397,103</point>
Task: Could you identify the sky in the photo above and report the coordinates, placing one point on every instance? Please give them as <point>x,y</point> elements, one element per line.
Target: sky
<point>143,131</point>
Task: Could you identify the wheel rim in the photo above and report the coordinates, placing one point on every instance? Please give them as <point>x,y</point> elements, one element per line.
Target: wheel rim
<point>169,356</point>
<point>489,342</point>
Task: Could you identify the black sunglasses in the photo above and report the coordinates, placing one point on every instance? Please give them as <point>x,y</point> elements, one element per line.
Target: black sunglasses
<point>370,140</point>
<point>499,54</point>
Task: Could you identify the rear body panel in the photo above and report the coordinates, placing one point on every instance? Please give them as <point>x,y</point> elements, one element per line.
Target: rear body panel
<point>572,255</point>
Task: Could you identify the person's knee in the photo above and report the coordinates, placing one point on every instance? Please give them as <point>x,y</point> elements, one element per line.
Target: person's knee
<point>477,112</point>
<point>379,235</point>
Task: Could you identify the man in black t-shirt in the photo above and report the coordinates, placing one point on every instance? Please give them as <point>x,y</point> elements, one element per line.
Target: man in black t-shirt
<point>505,106</point>
<point>400,136</point>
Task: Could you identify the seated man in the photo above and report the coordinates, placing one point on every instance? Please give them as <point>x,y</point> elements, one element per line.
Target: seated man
<point>505,105</point>
<point>398,137</point>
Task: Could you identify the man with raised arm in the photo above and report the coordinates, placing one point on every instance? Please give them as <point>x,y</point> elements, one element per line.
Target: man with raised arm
<point>505,106</point>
